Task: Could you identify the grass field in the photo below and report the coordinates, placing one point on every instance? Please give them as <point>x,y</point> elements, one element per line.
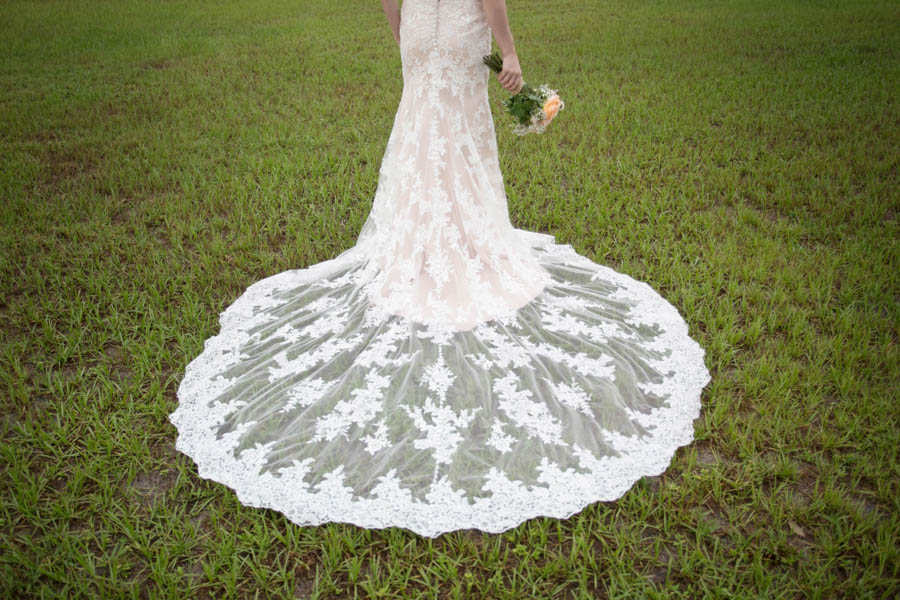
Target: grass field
<point>739,156</point>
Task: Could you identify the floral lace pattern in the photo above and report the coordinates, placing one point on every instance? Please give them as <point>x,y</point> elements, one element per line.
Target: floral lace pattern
<point>439,232</point>
<point>449,371</point>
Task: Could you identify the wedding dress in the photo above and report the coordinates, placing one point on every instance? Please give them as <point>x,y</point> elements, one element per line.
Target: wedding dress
<point>449,371</point>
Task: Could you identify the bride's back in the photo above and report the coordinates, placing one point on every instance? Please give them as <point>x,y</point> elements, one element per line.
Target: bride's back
<point>449,33</point>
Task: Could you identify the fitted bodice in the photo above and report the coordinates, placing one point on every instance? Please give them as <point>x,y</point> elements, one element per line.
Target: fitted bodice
<point>451,35</point>
<point>439,233</point>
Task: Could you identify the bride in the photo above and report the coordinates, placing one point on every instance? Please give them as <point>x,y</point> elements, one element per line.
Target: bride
<point>448,371</point>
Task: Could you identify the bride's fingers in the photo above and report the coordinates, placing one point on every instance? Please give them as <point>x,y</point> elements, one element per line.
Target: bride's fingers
<point>510,81</point>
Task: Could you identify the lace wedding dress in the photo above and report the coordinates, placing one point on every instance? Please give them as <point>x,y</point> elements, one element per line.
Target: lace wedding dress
<point>449,371</point>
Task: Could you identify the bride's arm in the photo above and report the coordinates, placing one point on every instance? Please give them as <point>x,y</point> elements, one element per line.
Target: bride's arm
<point>511,75</point>
<point>393,17</point>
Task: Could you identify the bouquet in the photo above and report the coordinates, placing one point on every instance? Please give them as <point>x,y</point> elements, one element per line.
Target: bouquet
<point>533,108</point>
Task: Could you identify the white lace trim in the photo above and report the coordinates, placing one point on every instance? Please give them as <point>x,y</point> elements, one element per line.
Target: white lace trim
<point>559,492</point>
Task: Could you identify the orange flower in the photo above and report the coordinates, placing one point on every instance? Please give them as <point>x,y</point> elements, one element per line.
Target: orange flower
<point>551,107</point>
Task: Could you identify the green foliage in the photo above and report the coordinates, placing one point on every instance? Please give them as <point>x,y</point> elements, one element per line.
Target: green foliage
<point>524,104</point>
<point>740,157</point>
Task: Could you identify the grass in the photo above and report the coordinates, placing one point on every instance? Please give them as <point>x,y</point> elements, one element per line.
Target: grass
<point>740,157</point>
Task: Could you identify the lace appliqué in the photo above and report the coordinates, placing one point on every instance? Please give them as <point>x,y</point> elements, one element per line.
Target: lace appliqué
<point>449,371</point>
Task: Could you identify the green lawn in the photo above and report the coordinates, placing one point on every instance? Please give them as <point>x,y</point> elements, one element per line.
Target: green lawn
<point>741,157</point>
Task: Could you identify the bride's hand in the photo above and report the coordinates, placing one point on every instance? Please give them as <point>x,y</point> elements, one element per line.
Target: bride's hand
<point>511,75</point>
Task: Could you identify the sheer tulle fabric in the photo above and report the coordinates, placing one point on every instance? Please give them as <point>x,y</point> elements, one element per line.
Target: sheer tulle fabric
<point>448,371</point>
